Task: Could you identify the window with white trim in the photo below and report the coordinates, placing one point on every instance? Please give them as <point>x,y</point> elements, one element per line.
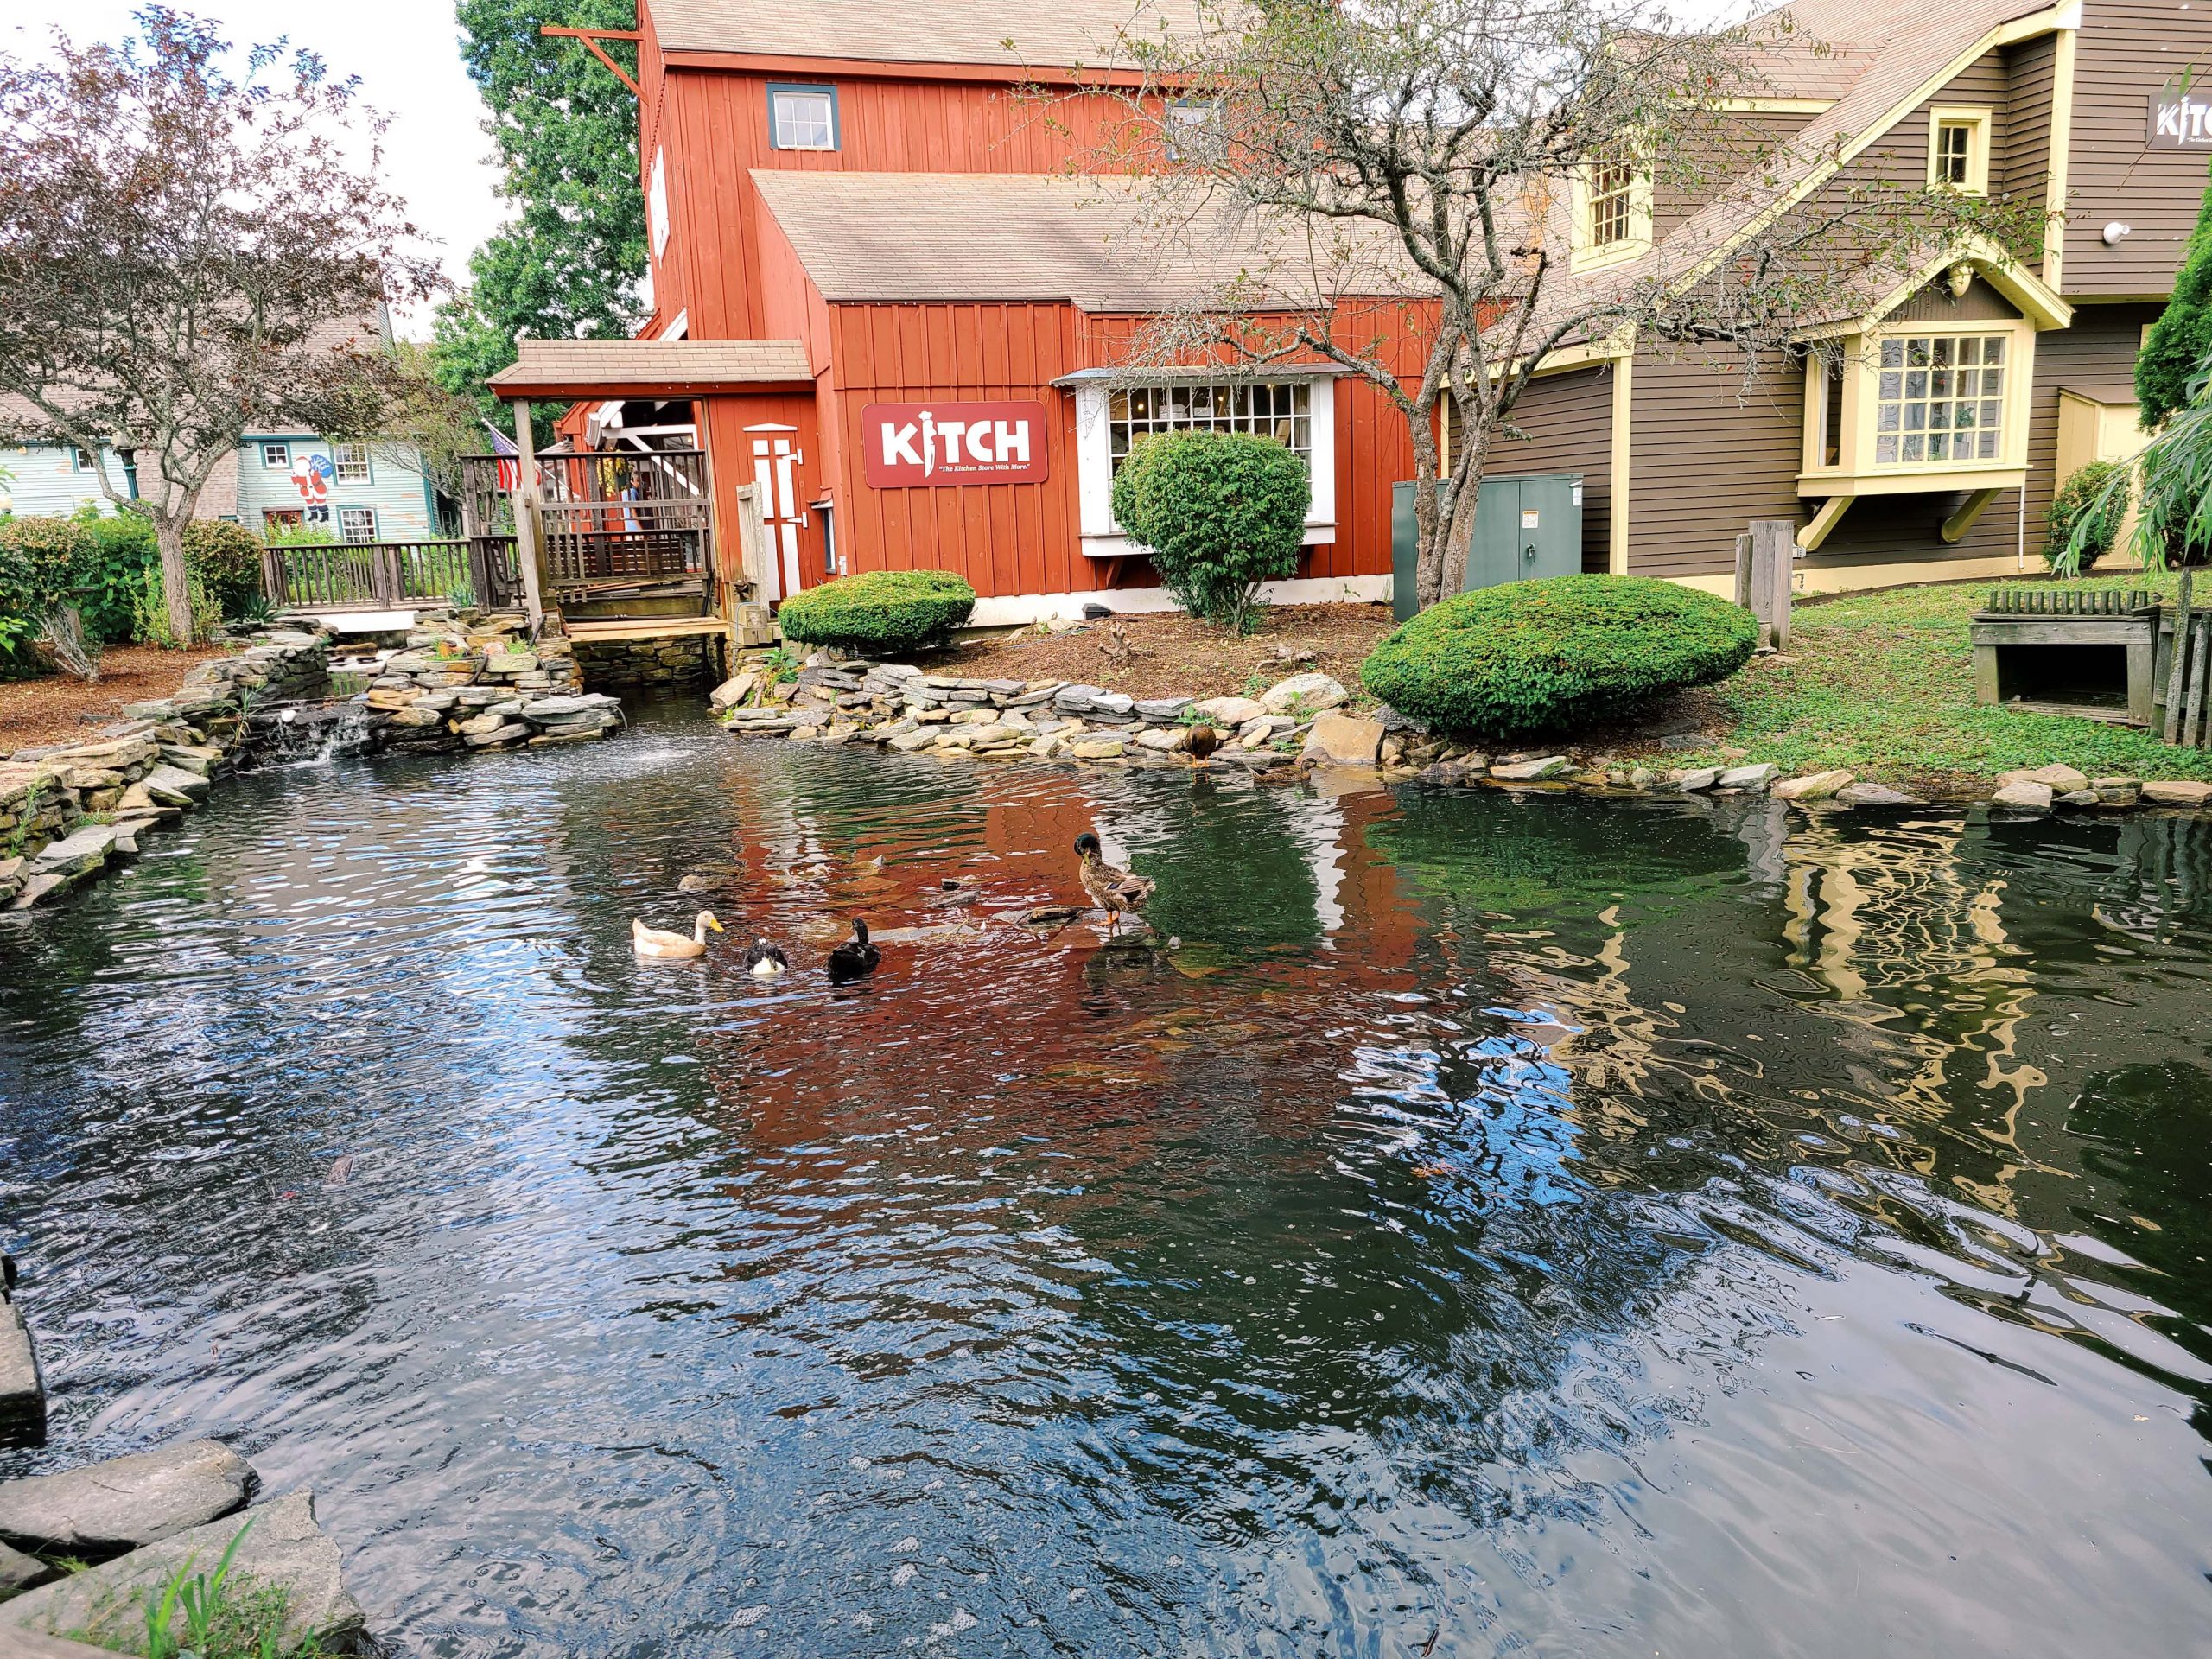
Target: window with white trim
<point>80,461</point>
<point>1280,410</point>
<point>356,524</point>
<point>1958,150</point>
<point>276,454</point>
<point>351,461</point>
<point>1612,188</point>
<point>1940,397</point>
<point>803,117</point>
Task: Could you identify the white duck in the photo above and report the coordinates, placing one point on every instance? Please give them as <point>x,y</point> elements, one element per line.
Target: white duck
<point>660,942</point>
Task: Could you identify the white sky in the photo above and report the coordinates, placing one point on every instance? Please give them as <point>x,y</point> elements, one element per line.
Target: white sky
<point>437,158</point>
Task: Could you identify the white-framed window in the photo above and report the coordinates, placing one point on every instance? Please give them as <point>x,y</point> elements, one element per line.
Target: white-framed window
<point>803,117</point>
<point>1958,150</point>
<point>80,461</point>
<point>1300,414</point>
<point>656,202</point>
<point>352,462</point>
<point>1940,398</point>
<point>356,524</point>
<point>278,455</point>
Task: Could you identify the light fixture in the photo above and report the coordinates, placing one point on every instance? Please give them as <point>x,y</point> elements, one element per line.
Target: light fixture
<point>1961,278</point>
<point>2115,232</point>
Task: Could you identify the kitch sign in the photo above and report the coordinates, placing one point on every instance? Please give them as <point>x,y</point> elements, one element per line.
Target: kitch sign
<point>908,446</point>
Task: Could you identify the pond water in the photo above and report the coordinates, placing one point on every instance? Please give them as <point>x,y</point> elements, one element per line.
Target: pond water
<point>1496,1225</point>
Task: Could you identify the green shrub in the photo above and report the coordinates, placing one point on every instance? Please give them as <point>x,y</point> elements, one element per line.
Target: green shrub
<point>1220,513</point>
<point>124,550</point>
<point>1531,657</point>
<point>879,610</point>
<point>2181,336</point>
<point>44,566</point>
<point>2085,517</point>
<point>227,559</point>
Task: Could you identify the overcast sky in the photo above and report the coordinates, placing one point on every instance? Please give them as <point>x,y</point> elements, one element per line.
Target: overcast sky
<point>406,54</point>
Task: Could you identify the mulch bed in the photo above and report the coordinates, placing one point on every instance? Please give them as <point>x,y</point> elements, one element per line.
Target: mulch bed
<point>58,707</point>
<point>1171,654</point>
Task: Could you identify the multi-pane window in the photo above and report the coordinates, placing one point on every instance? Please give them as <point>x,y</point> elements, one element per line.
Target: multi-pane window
<point>1612,187</point>
<point>276,454</point>
<point>1940,397</point>
<point>356,524</point>
<point>803,117</point>
<point>352,460</point>
<point>1953,153</point>
<point>1278,410</point>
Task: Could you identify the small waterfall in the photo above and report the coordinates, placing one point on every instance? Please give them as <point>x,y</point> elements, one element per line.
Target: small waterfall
<point>306,733</point>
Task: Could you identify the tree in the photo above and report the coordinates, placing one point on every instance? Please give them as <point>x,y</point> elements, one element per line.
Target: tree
<point>1399,177</point>
<point>187,255</point>
<point>566,133</point>
<point>2183,334</point>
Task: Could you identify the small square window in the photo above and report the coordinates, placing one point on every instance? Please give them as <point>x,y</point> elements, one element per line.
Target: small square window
<point>803,117</point>
<point>352,460</point>
<point>1958,150</point>
<point>276,454</point>
<point>356,524</point>
<point>80,461</point>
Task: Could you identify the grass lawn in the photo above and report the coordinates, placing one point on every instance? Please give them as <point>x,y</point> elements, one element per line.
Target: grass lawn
<point>1882,684</point>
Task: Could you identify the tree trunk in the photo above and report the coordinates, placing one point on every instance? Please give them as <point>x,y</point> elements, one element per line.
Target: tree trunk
<point>176,580</point>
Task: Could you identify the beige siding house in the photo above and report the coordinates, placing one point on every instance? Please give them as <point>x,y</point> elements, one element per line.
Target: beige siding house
<point>1963,398</point>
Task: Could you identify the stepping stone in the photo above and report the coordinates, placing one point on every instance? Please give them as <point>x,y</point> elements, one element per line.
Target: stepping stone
<point>126,1502</point>
<point>285,1547</point>
<point>174,786</point>
<point>76,855</point>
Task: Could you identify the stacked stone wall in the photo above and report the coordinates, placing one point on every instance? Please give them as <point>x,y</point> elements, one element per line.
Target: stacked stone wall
<point>685,659</point>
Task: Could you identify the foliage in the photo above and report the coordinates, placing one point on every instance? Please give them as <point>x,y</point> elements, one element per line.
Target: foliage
<point>879,610</point>
<point>1882,684</point>
<point>1542,656</point>
<point>2181,337</point>
<point>1401,174</point>
<point>123,552</point>
<point>165,291</point>
<point>1220,513</point>
<point>2175,471</point>
<point>44,566</point>
<point>222,1615</point>
<point>2086,515</point>
<point>566,132</point>
<point>226,559</point>
<point>299,535</point>
<point>149,610</point>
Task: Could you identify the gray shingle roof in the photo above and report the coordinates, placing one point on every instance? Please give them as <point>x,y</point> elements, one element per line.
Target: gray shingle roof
<point>589,367</point>
<point>1003,33</point>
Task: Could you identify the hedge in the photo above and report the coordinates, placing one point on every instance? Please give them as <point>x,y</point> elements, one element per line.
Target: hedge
<point>2088,502</point>
<point>879,610</point>
<point>1220,513</point>
<point>1529,656</point>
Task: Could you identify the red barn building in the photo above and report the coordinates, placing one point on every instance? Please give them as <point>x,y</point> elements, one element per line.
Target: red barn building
<point>883,294</point>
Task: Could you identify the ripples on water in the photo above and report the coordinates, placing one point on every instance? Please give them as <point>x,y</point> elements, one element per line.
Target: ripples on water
<point>1500,1225</point>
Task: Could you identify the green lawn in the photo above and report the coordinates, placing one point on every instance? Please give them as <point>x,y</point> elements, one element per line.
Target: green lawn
<point>1882,684</point>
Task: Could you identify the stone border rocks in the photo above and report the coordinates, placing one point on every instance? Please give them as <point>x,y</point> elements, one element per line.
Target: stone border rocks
<point>23,1387</point>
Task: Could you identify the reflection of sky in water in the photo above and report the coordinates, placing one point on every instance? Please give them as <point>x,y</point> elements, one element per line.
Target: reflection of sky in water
<point>1499,1226</point>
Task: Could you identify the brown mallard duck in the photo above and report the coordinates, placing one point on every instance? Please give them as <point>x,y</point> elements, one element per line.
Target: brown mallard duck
<point>1118,892</point>
<point>1204,741</point>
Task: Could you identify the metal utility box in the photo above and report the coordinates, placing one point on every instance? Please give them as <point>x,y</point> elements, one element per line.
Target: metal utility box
<point>1404,533</point>
<point>1525,528</point>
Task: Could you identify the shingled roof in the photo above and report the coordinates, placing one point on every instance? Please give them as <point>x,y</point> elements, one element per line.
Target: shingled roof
<point>1001,33</point>
<point>596,368</point>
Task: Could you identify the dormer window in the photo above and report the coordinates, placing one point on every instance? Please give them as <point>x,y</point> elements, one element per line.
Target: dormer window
<point>1611,183</point>
<point>803,117</point>
<point>1612,214</point>
<point>1958,151</point>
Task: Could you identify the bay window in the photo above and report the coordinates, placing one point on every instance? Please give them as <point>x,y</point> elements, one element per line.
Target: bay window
<point>1940,397</point>
<point>1912,407</point>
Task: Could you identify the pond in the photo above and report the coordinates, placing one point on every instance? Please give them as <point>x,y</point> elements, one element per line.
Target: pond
<point>1494,1225</point>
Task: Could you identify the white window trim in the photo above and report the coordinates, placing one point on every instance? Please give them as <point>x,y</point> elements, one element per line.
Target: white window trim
<point>656,202</point>
<point>283,451</point>
<point>824,91</point>
<point>337,464</point>
<point>1103,539</point>
<point>1585,254</point>
<point>1976,119</point>
<point>1857,473</point>
<point>341,522</point>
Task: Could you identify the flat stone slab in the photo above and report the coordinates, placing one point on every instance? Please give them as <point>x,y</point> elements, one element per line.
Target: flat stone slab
<point>77,854</point>
<point>1345,739</point>
<point>1813,787</point>
<point>23,1391</point>
<point>1757,777</point>
<point>1875,794</point>
<point>2173,792</point>
<point>2023,796</point>
<point>174,785</point>
<point>19,1572</point>
<point>1533,772</point>
<point>126,1502</point>
<point>285,1547</point>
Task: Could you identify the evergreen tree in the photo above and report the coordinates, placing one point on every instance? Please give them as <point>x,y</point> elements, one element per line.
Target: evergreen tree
<point>2183,335</point>
<point>566,132</point>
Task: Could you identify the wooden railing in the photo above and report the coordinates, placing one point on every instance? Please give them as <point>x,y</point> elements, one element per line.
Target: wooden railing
<point>390,575</point>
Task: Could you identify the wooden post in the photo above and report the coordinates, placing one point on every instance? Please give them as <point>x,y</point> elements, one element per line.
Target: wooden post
<point>1774,545</point>
<point>2176,663</point>
<point>1744,571</point>
<point>529,546</point>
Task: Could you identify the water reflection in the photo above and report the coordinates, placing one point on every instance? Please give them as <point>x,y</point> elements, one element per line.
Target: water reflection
<point>1495,1225</point>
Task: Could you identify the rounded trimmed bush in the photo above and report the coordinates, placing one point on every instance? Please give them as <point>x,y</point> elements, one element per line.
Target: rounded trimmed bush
<point>1220,513</point>
<point>2086,504</point>
<point>226,557</point>
<point>1529,656</point>
<point>879,610</point>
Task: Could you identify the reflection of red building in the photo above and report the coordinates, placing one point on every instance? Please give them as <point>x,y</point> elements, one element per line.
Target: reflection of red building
<point>854,207</point>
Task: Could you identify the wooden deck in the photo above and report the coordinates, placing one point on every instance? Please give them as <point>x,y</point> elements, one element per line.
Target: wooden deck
<point>647,627</point>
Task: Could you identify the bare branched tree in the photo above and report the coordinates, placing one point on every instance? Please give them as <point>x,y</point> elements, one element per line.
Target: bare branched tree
<point>1403,179</point>
<point>186,255</point>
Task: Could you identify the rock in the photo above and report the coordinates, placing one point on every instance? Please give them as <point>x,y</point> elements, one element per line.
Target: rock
<point>2176,792</point>
<point>23,1391</point>
<point>1314,692</point>
<point>174,787</point>
<point>1702,778</point>
<point>507,734</point>
<point>1113,703</point>
<point>385,697</point>
<point>1452,775</point>
<point>2118,791</point>
<point>1231,712</point>
<point>78,854</point>
<point>1533,772</point>
<point>511,662</point>
<point>1345,739</point>
<point>1161,711</point>
<point>19,1572</point>
<point>1046,746</point>
<point>1812,786</point>
<point>1165,739</point>
<point>2076,797</point>
<point>126,1501</point>
<point>1097,748</point>
<point>1254,760</point>
<point>486,721</point>
<point>920,738</point>
<point>1875,794</point>
<point>2023,796</point>
<point>417,717</point>
<point>2062,779</point>
<point>284,1548</point>
<point>36,888</point>
<point>1757,776</point>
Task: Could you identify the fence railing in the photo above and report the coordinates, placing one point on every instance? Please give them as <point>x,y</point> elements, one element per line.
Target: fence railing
<point>2063,601</point>
<point>390,575</point>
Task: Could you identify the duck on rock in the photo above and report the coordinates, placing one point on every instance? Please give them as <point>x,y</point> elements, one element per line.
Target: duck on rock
<point>1114,890</point>
<point>660,942</point>
<point>854,959</point>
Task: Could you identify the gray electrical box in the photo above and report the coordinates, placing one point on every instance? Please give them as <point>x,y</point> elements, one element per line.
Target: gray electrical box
<point>1525,528</point>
